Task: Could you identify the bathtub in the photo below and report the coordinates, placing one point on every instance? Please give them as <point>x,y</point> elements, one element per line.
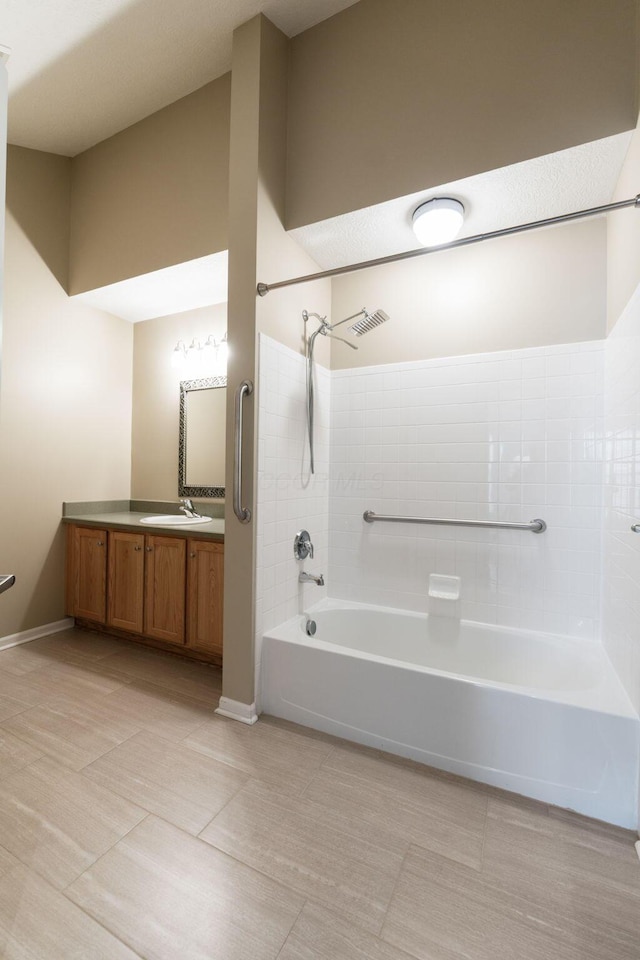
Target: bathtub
<point>541,715</point>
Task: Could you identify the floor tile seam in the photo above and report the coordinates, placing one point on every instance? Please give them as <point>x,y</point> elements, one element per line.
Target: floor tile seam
<point>343,830</point>
<point>46,755</point>
<point>201,701</point>
<point>484,834</point>
<point>60,737</point>
<point>112,795</point>
<point>364,778</point>
<point>173,743</point>
<point>101,856</point>
<point>478,902</point>
<point>62,892</point>
<point>407,764</point>
<point>176,696</point>
<point>282,883</point>
<point>211,756</point>
<point>82,664</point>
<point>13,856</point>
<point>434,817</point>
<point>314,776</point>
<point>566,870</point>
<point>290,931</point>
<point>393,833</point>
<point>199,727</point>
<point>393,893</point>
<point>284,887</point>
<point>121,796</point>
<point>524,911</point>
<point>100,923</point>
<point>111,749</point>
<point>225,805</point>
<point>24,766</point>
<point>27,706</point>
<point>137,652</point>
<point>78,660</point>
<point>153,813</point>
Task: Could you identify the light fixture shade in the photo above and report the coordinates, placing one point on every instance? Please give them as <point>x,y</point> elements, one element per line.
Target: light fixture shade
<point>209,356</point>
<point>438,221</point>
<point>223,356</point>
<point>179,355</point>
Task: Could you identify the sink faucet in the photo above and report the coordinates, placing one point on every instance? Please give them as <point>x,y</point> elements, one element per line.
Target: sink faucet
<point>311,578</point>
<point>188,509</point>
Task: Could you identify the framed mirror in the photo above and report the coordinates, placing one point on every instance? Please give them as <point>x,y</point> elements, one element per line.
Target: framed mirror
<point>201,445</point>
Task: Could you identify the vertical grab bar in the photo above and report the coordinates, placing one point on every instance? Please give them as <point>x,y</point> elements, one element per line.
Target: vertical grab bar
<point>244,389</point>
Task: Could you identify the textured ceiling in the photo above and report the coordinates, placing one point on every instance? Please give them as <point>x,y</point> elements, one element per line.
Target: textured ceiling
<point>185,286</point>
<point>574,179</point>
<point>548,186</point>
<point>81,70</point>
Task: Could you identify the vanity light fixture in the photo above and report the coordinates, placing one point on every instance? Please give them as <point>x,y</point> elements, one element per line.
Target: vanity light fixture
<point>222,355</point>
<point>179,355</point>
<point>195,355</point>
<point>438,221</point>
<point>204,359</point>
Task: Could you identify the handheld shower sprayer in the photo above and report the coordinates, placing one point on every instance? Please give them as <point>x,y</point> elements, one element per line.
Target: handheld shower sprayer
<point>364,322</point>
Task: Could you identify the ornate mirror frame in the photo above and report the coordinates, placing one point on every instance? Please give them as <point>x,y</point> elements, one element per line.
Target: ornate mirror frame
<point>184,489</point>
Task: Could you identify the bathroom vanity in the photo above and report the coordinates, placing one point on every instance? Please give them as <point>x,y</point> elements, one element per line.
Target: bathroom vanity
<point>148,584</point>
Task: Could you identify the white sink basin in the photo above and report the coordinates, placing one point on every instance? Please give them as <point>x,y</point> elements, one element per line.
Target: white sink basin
<point>173,520</point>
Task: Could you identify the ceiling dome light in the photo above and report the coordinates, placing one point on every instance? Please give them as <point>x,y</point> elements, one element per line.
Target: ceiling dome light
<point>438,221</point>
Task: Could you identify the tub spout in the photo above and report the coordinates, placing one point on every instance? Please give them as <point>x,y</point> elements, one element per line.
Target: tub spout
<point>311,578</point>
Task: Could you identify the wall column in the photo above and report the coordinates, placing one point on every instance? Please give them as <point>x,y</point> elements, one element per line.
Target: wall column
<point>256,181</point>
<point>4,96</point>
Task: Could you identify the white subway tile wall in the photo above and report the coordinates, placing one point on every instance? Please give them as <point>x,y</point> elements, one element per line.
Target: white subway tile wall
<point>509,436</point>
<point>506,436</point>
<point>289,498</point>
<point>621,565</point>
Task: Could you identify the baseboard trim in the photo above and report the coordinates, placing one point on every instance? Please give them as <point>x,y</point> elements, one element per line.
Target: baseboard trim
<point>244,712</point>
<point>25,636</point>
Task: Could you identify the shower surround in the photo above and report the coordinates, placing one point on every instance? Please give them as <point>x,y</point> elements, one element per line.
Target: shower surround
<point>507,436</point>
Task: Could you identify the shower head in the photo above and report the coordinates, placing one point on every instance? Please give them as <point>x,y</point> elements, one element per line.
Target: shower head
<point>368,322</point>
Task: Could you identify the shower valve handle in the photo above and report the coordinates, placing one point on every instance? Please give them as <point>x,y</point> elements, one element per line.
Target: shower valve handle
<point>302,546</point>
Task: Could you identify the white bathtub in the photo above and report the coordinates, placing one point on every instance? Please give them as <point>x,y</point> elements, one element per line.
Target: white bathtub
<point>541,715</point>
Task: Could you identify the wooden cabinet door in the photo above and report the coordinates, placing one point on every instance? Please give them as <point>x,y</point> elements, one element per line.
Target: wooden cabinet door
<point>125,606</point>
<point>89,566</point>
<point>205,571</point>
<point>165,587</point>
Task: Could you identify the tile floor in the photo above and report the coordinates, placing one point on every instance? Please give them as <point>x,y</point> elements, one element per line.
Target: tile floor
<point>134,823</point>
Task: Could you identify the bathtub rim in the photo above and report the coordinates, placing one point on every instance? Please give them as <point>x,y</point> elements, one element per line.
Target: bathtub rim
<point>608,696</point>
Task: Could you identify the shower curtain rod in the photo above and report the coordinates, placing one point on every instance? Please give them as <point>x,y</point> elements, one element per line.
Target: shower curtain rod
<point>264,288</point>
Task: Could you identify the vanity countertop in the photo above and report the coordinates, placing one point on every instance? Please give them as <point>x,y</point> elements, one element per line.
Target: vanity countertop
<point>116,515</point>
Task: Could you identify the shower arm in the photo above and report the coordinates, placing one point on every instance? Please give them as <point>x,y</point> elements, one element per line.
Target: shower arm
<point>264,288</point>
<point>332,326</point>
<point>332,336</point>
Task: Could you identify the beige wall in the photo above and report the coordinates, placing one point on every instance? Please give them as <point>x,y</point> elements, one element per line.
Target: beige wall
<point>524,291</point>
<point>39,200</point>
<point>623,247</point>
<point>258,248</point>
<point>623,227</point>
<point>155,194</point>
<point>390,98</point>
<point>156,394</point>
<point>65,409</point>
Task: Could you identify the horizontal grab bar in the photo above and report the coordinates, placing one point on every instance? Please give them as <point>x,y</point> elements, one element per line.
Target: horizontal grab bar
<point>6,580</point>
<point>536,526</point>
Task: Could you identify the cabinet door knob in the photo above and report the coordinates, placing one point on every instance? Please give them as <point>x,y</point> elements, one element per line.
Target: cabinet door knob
<point>100,543</point>
<point>137,548</point>
<point>192,555</point>
<point>149,549</point>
